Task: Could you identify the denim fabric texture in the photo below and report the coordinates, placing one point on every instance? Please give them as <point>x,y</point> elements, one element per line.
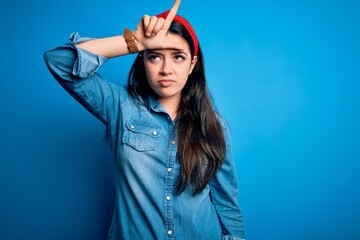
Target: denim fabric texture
<point>143,138</point>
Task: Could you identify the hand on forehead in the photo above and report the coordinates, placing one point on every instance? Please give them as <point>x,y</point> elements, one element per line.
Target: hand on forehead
<point>151,31</point>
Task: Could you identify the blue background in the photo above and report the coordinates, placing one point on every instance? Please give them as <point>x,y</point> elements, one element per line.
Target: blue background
<point>284,74</point>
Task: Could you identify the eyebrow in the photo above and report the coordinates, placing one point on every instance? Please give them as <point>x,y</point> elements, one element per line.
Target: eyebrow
<point>175,51</point>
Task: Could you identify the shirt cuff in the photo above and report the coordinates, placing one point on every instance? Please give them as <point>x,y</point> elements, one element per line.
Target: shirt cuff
<point>86,63</point>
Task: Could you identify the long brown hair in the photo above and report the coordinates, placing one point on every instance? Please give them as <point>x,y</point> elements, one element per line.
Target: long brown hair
<point>201,143</point>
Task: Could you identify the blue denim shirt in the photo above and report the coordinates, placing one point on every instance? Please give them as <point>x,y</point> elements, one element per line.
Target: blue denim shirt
<point>144,140</point>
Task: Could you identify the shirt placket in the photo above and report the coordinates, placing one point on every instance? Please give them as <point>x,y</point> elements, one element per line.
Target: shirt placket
<point>169,189</point>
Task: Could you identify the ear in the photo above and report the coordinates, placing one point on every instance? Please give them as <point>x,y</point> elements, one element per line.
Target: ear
<point>193,63</point>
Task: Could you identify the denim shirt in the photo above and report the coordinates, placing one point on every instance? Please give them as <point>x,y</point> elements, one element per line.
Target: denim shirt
<point>144,141</point>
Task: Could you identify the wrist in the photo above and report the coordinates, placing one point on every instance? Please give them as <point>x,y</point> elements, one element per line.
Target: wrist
<point>130,41</point>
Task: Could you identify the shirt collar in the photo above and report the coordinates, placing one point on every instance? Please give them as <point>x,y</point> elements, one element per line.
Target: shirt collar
<point>154,104</point>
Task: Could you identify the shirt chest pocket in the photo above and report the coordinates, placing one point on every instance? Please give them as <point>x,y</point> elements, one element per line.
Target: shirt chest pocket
<point>142,136</point>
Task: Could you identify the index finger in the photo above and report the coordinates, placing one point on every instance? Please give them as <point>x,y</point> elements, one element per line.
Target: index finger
<point>171,15</point>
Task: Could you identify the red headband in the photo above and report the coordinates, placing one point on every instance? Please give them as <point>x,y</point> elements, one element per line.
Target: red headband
<point>187,26</point>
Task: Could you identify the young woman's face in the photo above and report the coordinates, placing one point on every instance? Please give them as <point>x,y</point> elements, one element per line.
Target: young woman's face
<point>167,70</point>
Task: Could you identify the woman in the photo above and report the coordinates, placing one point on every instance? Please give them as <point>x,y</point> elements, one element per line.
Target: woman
<point>175,176</point>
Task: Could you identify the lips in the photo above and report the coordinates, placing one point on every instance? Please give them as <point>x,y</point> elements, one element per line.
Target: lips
<point>166,82</point>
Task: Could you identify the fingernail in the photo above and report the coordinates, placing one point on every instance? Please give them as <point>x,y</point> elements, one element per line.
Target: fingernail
<point>153,35</point>
<point>148,34</point>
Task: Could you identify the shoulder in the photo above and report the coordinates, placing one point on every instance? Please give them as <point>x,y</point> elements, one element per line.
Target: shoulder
<point>225,128</point>
<point>128,100</point>
<point>123,93</point>
<point>222,121</point>
<point>123,90</point>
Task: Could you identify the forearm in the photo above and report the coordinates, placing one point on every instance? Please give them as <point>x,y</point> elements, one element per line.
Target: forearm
<point>107,47</point>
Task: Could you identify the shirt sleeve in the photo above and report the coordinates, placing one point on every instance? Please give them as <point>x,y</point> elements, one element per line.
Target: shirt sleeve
<point>76,70</point>
<point>224,193</point>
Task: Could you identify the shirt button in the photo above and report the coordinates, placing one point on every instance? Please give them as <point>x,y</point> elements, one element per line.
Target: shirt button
<point>170,232</point>
<point>173,142</point>
<point>169,169</point>
<point>168,198</point>
<point>132,126</point>
<point>154,133</point>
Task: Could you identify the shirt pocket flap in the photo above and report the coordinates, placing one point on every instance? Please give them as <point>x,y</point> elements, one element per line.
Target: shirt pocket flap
<point>142,136</point>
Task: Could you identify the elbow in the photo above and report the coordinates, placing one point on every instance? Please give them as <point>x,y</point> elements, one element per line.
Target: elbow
<point>50,57</point>
<point>47,57</point>
<point>60,63</point>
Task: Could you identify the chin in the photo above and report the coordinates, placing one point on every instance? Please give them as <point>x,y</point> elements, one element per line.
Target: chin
<point>167,95</point>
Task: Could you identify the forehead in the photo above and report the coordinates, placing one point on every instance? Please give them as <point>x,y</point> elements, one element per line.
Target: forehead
<point>174,42</point>
<point>173,37</point>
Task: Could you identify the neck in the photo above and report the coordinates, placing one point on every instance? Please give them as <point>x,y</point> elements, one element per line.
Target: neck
<point>171,105</point>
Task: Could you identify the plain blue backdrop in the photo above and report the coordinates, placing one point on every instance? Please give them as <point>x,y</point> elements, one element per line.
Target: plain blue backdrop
<point>285,74</point>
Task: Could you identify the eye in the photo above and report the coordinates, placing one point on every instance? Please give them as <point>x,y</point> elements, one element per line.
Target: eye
<point>179,57</point>
<point>153,57</point>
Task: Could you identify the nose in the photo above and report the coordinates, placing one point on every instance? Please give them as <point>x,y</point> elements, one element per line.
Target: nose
<point>166,67</point>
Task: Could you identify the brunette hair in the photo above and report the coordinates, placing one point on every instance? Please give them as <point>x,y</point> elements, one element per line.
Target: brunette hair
<point>201,142</point>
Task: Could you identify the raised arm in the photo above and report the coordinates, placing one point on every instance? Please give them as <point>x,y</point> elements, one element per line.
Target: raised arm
<point>149,34</point>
